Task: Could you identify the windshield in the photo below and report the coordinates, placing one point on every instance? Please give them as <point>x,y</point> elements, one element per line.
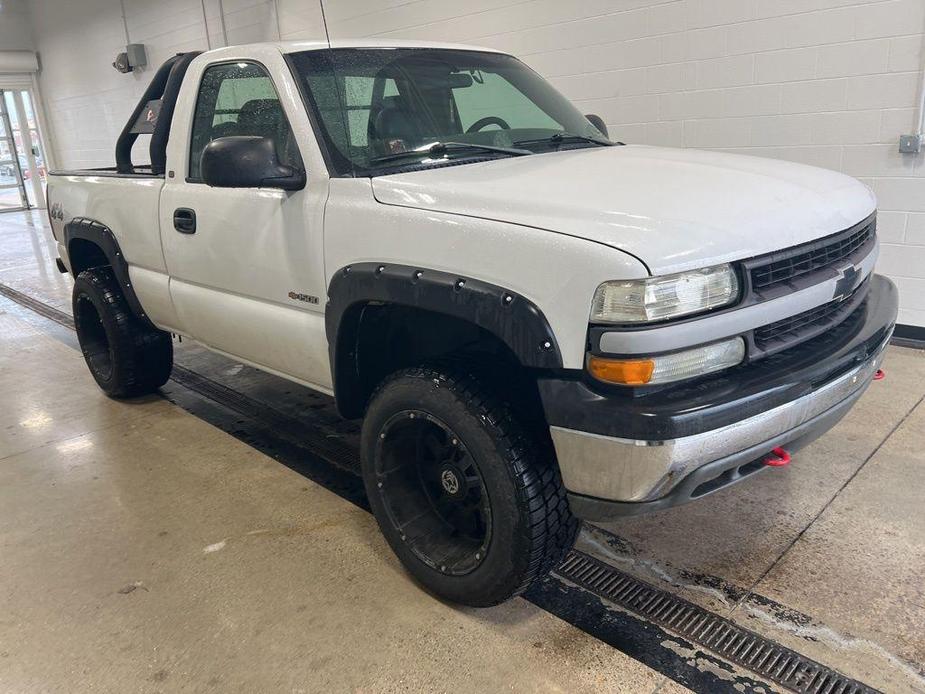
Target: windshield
<point>378,109</point>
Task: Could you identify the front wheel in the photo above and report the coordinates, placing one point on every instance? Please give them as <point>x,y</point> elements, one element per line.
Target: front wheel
<point>473,506</point>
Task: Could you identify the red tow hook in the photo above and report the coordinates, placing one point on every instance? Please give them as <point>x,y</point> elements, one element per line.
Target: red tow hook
<point>880,375</point>
<point>778,458</point>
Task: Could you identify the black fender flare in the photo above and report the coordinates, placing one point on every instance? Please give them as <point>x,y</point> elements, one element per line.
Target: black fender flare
<point>512,318</point>
<point>90,230</point>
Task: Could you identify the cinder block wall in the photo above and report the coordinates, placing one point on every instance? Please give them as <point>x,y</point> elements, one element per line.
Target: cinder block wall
<point>86,100</point>
<point>15,28</point>
<point>832,83</point>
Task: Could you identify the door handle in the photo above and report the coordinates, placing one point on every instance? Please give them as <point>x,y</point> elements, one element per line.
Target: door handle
<point>184,220</point>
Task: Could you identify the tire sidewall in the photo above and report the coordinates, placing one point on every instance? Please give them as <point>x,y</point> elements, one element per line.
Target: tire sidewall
<point>85,289</point>
<point>116,321</point>
<point>506,563</point>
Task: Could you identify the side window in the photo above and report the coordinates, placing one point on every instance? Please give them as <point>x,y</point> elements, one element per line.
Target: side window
<point>239,99</point>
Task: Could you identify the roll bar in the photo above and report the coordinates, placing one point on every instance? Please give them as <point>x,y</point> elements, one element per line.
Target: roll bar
<point>164,87</point>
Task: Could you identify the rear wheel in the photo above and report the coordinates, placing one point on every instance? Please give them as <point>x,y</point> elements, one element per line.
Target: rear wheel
<point>472,505</point>
<point>126,356</point>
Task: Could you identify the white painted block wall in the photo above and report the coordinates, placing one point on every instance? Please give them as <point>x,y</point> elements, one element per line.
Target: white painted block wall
<point>826,82</point>
<point>831,83</point>
<point>87,101</point>
<point>15,27</point>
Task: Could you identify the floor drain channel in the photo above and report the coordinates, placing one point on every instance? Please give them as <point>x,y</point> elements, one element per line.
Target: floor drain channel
<point>296,431</point>
<point>728,640</point>
<point>37,306</point>
<point>302,433</point>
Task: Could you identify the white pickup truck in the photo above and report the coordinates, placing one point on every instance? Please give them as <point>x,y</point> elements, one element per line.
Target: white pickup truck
<point>537,324</point>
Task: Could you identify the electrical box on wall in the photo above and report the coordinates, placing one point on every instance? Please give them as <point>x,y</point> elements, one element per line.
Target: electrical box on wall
<point>133,57</point>
<point>910,144</point>
<point>137,57</point>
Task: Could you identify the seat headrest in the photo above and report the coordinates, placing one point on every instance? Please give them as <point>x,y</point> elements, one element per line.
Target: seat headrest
<point>394,121</point>
<point>260,114</point>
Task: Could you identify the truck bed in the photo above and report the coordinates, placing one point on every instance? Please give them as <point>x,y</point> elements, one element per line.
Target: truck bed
<point>143,171</point>
<point>126,203</point>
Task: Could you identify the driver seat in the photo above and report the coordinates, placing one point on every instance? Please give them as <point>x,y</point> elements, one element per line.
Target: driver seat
<point>392,121</point>
<point>265,118</point>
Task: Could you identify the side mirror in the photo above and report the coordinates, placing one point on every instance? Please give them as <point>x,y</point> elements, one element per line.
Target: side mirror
<point>247,161</point>
<point>598,123</point>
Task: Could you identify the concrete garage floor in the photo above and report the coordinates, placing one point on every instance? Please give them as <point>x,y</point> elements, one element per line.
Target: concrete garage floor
<point>167,544</point>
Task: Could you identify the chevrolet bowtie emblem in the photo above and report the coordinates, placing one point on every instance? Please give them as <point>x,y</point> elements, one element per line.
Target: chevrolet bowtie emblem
<point>846,278</point>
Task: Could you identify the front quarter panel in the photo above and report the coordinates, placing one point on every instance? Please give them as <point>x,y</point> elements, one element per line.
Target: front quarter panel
<point>557,273</point>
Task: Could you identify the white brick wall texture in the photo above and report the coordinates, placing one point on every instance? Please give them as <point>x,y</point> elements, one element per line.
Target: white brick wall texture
<point>831,83</point>
<point>86,100</point>
<point>15,29</point>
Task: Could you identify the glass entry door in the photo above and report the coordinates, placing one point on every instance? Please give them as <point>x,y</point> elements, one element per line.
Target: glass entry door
<point>22,160</point>
<point>12,186</point>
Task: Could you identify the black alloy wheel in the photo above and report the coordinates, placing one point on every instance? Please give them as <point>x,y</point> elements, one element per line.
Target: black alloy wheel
<point>433,492</point>
<point>468,496</point>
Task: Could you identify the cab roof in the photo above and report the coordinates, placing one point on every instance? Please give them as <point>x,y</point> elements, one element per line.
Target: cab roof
<point>320,44</point>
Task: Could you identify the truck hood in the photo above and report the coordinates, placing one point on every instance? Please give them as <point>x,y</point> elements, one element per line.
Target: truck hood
<point>674,209</point>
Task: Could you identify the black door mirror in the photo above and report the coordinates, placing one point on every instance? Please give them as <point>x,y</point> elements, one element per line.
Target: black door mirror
<point>247,161</point>
<point>598,123</point>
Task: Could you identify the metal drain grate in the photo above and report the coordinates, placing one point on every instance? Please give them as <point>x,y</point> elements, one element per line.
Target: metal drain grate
<point>728,640</point>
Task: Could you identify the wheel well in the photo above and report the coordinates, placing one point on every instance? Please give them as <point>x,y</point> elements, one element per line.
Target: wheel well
<point>85,254</point>
<point>377,339</point>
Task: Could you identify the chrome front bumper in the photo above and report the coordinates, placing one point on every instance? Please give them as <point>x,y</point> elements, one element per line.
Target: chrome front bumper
<point>620,454</point>
<point>634,471</point>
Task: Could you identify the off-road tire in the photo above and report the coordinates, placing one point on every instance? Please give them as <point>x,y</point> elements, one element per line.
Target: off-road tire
<point>126,356</point>
<point>532,526</point>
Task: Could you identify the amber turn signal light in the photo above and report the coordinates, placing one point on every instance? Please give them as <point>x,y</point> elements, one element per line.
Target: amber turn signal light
<point>625,372</point>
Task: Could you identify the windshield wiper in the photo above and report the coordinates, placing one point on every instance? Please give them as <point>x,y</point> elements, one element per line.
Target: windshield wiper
<point>439,148</point>
<point>561,138</point>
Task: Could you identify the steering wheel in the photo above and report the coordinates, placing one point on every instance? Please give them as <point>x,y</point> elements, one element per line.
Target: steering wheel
<point>488,120</point>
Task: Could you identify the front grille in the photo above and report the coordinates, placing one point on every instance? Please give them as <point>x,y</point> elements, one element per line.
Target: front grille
<point>803,326</point>
<point>790,264</point>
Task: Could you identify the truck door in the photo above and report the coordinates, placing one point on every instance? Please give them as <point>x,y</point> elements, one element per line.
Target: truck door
<point>245,264</point>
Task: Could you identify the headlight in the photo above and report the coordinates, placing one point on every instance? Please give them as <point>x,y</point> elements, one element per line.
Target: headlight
<point>661,298</point>
<point>668,367</point>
